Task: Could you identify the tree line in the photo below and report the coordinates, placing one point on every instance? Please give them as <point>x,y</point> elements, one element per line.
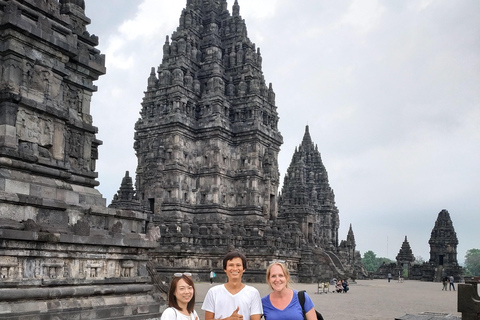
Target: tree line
<point>471,268</point>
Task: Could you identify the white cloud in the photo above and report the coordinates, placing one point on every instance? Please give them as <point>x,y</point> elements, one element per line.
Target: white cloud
<point>363,15</point>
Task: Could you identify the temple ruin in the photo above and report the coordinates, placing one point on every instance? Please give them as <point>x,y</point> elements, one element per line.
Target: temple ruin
<point>63,252</point>
<point>443,256</point>
<point>207,180</point>
<point>207,144</point>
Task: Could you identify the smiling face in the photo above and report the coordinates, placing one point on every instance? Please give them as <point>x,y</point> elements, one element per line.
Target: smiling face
<point>234,269</point>
<point>183,292</point>
<point>277,278</point>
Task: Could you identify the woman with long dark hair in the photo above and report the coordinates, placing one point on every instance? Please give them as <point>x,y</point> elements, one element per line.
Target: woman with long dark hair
<point>181,298</point>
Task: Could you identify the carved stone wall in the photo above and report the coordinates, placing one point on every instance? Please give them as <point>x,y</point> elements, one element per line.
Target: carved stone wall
<point>63,253</point>
<point>207,143</point>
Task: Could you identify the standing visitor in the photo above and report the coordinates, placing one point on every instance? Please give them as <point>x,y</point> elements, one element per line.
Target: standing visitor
<point>181,299</point>
<point>452,284</point>
<point>444,282</point>
<point>233,300</point>
<point>389,276</point>
<point>283,302</point>
<point>212,276</point>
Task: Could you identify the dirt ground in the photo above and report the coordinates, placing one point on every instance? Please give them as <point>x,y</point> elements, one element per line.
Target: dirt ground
<point>368,299</point>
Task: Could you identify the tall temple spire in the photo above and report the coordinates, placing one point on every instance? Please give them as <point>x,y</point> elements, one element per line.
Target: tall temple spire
<point>443,241</point>
<point>307,140</point>
<point>236,9</point>
<point>405,255</point>
<point>207,143</point>
<point>306,193</point>
<point>208,136</point>
<point>351,236</point>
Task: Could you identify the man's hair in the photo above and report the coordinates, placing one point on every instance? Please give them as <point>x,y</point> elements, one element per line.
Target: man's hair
<point>234,254</point>
<point>172,300</point>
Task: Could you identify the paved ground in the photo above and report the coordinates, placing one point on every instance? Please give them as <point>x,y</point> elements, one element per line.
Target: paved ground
<point>369,299</point>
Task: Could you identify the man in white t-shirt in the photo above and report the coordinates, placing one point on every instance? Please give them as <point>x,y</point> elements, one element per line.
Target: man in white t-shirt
<point>233,300</point>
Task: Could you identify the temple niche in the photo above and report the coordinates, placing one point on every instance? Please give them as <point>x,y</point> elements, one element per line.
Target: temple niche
<point>207,143</point>
<point>62,251</point>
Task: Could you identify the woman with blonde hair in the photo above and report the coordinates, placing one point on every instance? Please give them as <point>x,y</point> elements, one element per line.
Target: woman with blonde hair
<point>181,298</point>
<point>283,302</point>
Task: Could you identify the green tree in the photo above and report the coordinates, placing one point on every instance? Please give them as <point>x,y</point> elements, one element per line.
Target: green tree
<point>369,262</point>
<point>472,262</point>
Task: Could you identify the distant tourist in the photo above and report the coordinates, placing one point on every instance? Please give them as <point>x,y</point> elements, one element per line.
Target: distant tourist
<point>339,286</point>
<point>233,300</point>
<point>212,276</point>
<point>181,298</point>
<point>452,284</point>
<point>389,276</point>
<point>283,302</point>
<point>444,282</point>
<point>345,286</point>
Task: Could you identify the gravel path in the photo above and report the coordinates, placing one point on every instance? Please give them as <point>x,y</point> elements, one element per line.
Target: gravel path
<point>369,299</point>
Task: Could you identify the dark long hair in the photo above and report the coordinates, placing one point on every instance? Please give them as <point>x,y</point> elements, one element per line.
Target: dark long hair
<point>172,300</point>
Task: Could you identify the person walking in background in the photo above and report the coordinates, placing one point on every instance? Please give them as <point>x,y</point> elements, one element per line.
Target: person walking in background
<point>283,302</point>
<point>181,299</point>
<point>389,276</point>
<point>444,282</point>
<point>212,276</point>
<point>233,300</point>
<point>452,284</point>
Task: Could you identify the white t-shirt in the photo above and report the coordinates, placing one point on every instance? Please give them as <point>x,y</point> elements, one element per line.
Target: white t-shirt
<point>222,303</point>
<point>172,314</point>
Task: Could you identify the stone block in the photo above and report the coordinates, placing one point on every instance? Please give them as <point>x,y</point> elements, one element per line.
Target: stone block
<point>68,197</point>
<point>48,192</point>
<point>17,187</point>
<point>8,136</point>
<point>143,309</point>
<point>52,217</point>
<point>29,306</point>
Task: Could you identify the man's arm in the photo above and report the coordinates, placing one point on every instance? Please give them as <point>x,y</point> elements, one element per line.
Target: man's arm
<point>235,316</point>
<point>209,315</point>
<point>255,317</point>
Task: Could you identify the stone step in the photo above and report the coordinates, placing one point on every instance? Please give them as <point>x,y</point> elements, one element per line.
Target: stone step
<point>104,313</point>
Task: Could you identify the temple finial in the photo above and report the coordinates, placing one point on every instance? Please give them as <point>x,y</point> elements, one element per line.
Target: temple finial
<point>236,9</point>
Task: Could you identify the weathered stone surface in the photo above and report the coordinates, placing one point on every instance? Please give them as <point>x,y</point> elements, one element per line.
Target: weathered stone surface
<point>469,299</point>
<point>207,143</point>
<point>63,253</point>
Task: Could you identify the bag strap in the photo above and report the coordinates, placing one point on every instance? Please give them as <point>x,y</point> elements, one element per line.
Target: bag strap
<point>301,299</point>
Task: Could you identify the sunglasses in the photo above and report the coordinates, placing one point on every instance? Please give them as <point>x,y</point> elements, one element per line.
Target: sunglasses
<point>178,274</point>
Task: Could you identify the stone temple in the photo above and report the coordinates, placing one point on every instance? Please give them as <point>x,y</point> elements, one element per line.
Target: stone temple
<point>443,256</point>
<point>63,253</point>
<point>207,180</point>
<point>207,143</point>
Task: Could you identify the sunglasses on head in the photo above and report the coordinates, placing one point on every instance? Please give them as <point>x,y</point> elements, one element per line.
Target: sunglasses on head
<point>178,274</point>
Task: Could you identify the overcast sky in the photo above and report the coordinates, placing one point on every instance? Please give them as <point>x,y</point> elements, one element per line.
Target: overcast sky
<point>390,90</point>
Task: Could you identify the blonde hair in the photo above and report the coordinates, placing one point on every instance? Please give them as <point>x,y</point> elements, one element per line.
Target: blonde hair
<point>285,273</point>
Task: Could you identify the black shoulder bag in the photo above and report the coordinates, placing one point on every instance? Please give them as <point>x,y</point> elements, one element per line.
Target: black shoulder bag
<point>301,299</point>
